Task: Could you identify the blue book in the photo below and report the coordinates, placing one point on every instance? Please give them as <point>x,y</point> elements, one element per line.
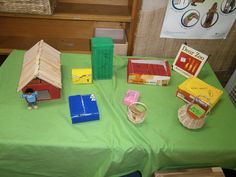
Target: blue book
<point>83,108</point>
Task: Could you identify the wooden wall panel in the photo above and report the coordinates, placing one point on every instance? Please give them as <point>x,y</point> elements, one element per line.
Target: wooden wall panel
<point>111,2</point>
<point>27,27</point>
<point>65,35</point>
<point>72,45</point>
<point>148,42</point>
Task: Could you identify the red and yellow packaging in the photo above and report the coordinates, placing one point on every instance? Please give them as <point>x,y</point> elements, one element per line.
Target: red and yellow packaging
<point>82,75</point>
<point>152,72</point>
<point>194,90</point>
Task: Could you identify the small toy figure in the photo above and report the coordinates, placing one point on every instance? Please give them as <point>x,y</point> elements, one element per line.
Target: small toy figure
<point>31,97</point>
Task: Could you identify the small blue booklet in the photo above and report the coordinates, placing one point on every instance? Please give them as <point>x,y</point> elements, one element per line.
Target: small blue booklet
<point>83,108</point>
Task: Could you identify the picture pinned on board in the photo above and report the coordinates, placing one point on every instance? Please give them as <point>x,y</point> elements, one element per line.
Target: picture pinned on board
<point>211,17</point>
<point>228,6</point>
<point>180,4</point>
<point>190,18</point>
<point>198,19</point>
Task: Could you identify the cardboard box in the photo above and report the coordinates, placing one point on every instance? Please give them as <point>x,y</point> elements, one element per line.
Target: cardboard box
<point>153,72</point>
<point>119,39</point>
<point>194,90</point>
<point>82,76</point>
<point>83,108</point>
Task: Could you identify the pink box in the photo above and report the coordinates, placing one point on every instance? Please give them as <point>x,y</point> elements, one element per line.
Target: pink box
<point>131,97</point>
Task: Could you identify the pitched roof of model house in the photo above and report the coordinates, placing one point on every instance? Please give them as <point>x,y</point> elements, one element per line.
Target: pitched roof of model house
<point>43,62</point>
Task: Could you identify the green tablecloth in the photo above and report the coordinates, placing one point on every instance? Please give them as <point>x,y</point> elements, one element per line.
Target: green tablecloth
<point>43,142</point>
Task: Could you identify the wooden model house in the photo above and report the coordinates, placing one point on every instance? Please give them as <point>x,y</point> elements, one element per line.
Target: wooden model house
<point>41,71</point>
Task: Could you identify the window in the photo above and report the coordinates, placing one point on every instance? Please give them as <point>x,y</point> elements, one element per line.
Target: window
<point>43,95</point>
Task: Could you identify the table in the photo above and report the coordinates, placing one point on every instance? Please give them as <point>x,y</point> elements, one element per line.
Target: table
<point>43,142</point>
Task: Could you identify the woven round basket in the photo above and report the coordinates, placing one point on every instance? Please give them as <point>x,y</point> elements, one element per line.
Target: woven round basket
<point>187,121</point>
<point>136,112</point>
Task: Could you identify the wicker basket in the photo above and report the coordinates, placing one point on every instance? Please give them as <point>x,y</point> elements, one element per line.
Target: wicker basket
<point>42,7</point>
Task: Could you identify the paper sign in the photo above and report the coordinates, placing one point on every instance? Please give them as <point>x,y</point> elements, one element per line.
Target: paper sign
<point>189,61</point>
<point>198,19</point>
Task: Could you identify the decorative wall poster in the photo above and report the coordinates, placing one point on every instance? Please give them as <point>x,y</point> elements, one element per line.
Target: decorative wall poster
<point>198,19</point>
<point>189,61</point>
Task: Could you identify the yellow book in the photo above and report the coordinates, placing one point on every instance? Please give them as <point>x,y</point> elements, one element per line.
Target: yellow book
<point>82,75</point>
<point>194,88</point>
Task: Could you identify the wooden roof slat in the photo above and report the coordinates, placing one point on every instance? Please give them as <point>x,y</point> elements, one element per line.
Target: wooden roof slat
<point>29,55</point>
<point>24,81</point>
<point>46,77</point>
<point>54,64</point>
<point>53,55</point>
<point>48,56</point>
<point>54,72</point>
